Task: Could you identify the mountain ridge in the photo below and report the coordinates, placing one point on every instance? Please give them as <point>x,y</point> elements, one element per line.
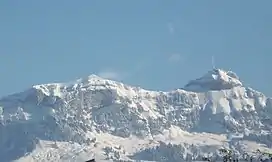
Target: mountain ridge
<point>83,111</point>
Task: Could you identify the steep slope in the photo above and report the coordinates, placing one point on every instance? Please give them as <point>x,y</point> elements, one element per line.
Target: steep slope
<point>116,121</point>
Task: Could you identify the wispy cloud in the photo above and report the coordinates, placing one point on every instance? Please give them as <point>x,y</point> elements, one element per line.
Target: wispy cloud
<point>171,28</point>
<point>110,74</point>
<point>140,66</point>
<point>175,58</point>
<point>119,75</point>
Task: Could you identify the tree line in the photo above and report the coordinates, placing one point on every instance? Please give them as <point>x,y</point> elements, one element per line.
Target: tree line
<point>228,155</point>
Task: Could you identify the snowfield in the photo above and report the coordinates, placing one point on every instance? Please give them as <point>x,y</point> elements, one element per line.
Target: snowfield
<point>111,121</point>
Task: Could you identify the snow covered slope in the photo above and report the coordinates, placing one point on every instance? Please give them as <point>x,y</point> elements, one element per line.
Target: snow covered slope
<point>95,117</point>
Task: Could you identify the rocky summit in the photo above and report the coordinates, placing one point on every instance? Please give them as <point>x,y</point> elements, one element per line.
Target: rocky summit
<point>107,120</point>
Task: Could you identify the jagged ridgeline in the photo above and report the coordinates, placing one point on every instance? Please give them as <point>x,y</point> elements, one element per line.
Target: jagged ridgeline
<point>109,120</point>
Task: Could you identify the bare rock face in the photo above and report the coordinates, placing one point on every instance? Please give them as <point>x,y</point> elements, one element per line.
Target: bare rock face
<point>93,107</point>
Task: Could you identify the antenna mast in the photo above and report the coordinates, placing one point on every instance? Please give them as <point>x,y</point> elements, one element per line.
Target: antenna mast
<point>213,65</point>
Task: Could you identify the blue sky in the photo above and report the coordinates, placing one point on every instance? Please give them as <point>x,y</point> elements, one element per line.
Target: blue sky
<point>157,45</point>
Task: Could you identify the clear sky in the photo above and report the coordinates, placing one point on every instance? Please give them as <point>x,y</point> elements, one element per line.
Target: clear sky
<point>155,44</point>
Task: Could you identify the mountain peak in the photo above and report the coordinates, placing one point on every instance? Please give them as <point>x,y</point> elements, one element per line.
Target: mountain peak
<point>89,78</point>
<point>215,79</point>
<point>63,121</point>
<point>88,82</point>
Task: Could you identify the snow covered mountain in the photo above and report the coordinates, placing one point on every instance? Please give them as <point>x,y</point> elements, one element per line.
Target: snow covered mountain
<point>108,120</point>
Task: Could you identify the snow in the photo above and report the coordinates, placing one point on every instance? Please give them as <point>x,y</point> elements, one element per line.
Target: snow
<point>105,119</point>
<point>216,79</point>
